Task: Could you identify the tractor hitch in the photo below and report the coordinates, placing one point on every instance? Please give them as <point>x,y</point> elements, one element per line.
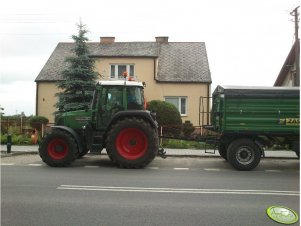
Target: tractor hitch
<point>162,153</point>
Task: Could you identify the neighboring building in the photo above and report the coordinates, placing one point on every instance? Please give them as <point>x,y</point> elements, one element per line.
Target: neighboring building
<point>289,75</point>
<point>177,72</point>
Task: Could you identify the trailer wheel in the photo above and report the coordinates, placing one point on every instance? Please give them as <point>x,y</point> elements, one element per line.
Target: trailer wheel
<point>58,149</point>
<point>132,143</point>
<point>296,148</point>
<point>222,150</point>
<point>243,154</point>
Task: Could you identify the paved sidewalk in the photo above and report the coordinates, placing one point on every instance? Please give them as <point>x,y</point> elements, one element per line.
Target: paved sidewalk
<point>33,149</point>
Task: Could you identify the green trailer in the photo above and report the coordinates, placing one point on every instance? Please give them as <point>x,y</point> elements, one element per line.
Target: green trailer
<point>250,119</point>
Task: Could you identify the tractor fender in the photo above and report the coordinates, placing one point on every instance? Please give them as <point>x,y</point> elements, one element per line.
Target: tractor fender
<point>146,115</point>
<point>73,134</point>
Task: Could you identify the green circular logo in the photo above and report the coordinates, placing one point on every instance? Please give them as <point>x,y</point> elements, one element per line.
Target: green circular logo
<point>282,214</point>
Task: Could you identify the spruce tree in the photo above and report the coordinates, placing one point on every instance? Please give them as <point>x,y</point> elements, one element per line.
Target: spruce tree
<point>79,78</point>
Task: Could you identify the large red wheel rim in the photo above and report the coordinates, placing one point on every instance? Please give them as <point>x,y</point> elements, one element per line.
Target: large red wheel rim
<point>131,143</point>
<point>58,149</point>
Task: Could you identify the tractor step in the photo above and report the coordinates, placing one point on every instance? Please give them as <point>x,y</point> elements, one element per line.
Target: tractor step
<point>96,148</point>
<point>210,142</point>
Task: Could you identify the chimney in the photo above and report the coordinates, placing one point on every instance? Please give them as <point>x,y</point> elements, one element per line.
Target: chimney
<point>162,39</point>
<point>107,40</point>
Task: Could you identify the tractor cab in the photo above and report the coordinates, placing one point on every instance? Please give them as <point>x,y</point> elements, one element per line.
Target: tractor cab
<point>111,97</point>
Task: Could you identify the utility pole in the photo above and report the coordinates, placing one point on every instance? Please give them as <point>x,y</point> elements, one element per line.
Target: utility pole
<point>295,14</point>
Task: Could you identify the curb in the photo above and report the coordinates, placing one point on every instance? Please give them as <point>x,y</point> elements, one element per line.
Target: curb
<point>181,153</point>
<point>4,154</point>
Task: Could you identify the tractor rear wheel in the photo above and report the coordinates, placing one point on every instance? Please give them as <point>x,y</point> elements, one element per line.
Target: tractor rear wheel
<point>132,143</point>
<point>58,149</point>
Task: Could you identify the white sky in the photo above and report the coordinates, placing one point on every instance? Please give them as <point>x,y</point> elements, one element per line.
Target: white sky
<point>247,41</point>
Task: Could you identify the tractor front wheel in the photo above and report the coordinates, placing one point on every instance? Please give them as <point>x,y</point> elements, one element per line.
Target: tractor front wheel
<point>132,143</point>
<point>58,149</point>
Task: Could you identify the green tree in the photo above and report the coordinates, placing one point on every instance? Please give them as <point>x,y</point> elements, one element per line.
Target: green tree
<point>79,78</point>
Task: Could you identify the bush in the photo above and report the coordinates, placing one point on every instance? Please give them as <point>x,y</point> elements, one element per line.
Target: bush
<point>168,117</point>
<point>37,122</point>
<point>16,139</point>
<point>183,144</point>
<point>187,129</point>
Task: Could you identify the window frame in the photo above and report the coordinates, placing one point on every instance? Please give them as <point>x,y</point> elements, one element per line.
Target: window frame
<point>116,68</point>
<point>179,107</point>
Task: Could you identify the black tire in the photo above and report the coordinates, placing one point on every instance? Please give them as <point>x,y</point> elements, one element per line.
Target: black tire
<point>222,150</point>
<point>296,148</point>
<point>58,149</point>
<point>84,152</point>
<point>298,154</point>
<point>132,143</point>
<point>243,154</point>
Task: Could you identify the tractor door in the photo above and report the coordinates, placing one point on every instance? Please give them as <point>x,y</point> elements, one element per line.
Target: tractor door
<point>135,98</point>
<point>110,103</point>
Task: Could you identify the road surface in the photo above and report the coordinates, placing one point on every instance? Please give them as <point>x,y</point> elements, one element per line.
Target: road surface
<point>174,191</point>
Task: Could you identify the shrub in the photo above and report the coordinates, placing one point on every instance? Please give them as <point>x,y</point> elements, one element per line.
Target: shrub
<point>182,144</point>
<point>37,121</point>
<point>168,117</point>
<point>16,139</point>
<point>187,129</point>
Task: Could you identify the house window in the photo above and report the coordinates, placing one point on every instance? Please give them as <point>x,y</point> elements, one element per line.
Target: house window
<point>180,103</point>
<point>118,69</point>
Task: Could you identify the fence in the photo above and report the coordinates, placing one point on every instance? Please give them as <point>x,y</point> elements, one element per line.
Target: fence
<point>17,125</point>
<point>20,125</point>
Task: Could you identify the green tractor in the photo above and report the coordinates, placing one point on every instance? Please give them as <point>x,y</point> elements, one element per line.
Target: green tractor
<point>117,121</point>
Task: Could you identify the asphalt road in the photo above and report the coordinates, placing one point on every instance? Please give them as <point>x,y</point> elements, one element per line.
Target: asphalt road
<point>174,191</point>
